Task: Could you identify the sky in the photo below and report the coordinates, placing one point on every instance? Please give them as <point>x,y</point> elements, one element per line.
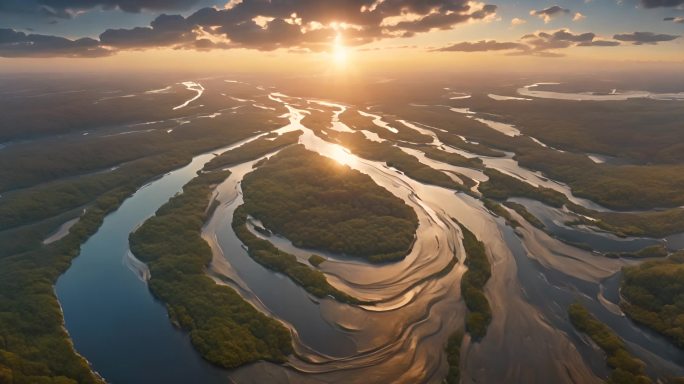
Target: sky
<point>350,35</point>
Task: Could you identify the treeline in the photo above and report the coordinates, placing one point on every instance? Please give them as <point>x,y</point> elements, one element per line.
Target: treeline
<point>269,256</point>
<point>453,355</point>
<point>653,295</point>
<point>50,199</point>
<point>34,346</point>
<point>615,128</point>
<point>621,187</point>
<point>472,285</point>
<point>658,250</point>
<point>500,211</point>
<point>527,215</point>
<point>659,223</point>
<point>31,163</point>
<point>29,237</point>
<point>224,328</point>
<point>626,368</point>
<point>318,203</point>
<point>501,187</point>
<point>46,201</point>
<point>653,223</point>
<point>254,150</point>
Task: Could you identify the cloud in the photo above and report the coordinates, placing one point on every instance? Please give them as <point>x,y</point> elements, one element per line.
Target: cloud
<point>661,3</point>
<point>19,44</point>
<point>69,8</point>
<point>304,24</point>
<point>578,17</point>
<point>482,46</point>
<point>543,44</point>
<point>310,25</point>
<point>564,38</point>
<point>516,21</point>
<point>599,43</point>
<point>164,31</point>
<point>639,38</point>
<point>548,14</point>
<point>678,19</point>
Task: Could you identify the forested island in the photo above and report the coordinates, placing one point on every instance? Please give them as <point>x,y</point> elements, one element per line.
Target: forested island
<point>320,204</point>
<point>626,369</point>
<point>266,254</point>
<point>653,295</point>
<point>74,177</point>
<point>224,328</point>
<point>472,285</point>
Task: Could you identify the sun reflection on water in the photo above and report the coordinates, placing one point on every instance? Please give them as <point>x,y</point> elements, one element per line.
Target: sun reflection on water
<point>341,155</point>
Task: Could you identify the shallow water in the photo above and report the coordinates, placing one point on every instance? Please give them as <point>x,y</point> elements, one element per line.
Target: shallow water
<point>112,318</point>
<point>529,91</point>
<point>399,339</point>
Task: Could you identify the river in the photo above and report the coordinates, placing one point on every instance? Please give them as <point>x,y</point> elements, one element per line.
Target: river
<point>126,335</point>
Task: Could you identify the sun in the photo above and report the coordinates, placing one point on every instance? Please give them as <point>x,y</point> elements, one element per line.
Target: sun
<point>339,53</point>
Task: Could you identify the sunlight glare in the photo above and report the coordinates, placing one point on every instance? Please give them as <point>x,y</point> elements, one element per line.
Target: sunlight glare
<point>339,51</point>
<point>341,155</point>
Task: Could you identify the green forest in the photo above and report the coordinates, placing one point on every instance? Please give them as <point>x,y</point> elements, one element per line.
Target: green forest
<point>501,186</point>
<point>34,347</point>
<point>626,369</point>
<point>652,177</point>
<point>224,328</point>
<point>527,215</point>
<point>472,285</point>
<point>498,210</point>
<point>254,149</point>
<point>266,254</point>
<point>653,295</point>
<point>320,204</point>
<point>453,353</point>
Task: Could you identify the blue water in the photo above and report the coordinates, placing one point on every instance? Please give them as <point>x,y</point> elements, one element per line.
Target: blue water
<point>111,316</point>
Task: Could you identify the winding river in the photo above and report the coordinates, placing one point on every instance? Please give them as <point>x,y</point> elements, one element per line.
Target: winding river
<point>535,276</point>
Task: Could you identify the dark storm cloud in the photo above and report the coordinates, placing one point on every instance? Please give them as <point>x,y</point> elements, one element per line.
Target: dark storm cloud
<point>482,46</point>
<point>19,44</point>
<point>543,44</point>
<point>639,38</point>
<point>661,3</point>
<point>67,8</point>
